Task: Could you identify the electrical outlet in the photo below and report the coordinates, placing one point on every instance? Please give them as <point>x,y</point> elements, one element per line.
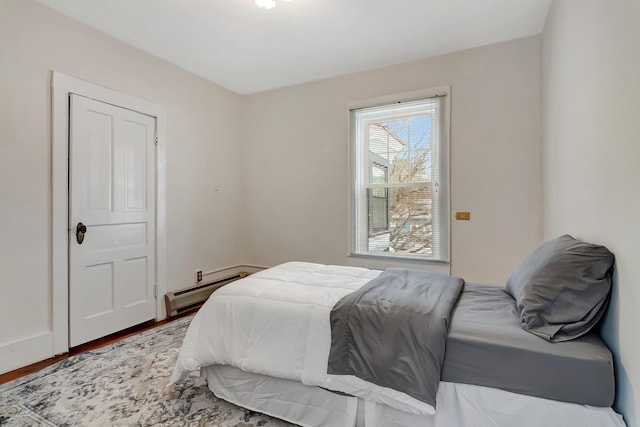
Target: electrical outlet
<point>198,276</point>
<point>463,216</point>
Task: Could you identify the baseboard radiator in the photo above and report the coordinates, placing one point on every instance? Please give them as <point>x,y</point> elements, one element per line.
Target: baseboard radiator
<point>191,298</point>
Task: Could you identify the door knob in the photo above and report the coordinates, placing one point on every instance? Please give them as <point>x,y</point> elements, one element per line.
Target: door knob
<point>80,230</point>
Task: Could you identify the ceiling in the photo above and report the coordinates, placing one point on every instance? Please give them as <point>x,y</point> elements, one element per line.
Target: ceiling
<point>248,49</point>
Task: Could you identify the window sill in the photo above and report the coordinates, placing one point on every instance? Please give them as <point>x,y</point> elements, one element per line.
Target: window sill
<point>380,262</point>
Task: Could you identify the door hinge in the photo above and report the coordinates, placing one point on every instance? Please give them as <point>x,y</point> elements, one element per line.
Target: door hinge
<point>155,290</point>
<point>155,139</point>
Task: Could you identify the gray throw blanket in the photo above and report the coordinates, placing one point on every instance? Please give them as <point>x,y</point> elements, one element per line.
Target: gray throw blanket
<point>392,332</point>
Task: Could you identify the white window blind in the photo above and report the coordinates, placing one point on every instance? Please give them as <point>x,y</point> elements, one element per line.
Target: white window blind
<point>400,200</point>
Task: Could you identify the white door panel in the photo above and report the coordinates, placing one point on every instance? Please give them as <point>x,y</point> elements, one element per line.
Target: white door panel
<point>112,192</point>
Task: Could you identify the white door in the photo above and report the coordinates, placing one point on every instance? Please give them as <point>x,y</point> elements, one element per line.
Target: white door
<point>112,193</point>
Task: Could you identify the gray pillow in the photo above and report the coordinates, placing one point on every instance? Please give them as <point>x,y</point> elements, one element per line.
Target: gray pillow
<point>562,288</point>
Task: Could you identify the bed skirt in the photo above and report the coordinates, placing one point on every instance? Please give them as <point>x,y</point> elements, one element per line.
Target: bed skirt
<point>458,405</point>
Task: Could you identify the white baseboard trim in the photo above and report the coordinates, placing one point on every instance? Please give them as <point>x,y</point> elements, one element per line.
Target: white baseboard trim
<point>22,353</point>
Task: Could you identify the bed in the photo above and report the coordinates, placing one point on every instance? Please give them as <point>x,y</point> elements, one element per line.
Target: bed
<point>265,342</point>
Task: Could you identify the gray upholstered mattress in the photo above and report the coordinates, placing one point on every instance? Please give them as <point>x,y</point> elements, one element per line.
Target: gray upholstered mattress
<point>487,346</point>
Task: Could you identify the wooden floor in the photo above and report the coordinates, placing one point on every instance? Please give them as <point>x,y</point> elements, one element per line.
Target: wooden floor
<point>21,372</point>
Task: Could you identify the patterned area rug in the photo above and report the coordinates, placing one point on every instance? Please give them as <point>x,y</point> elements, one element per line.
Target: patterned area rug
<point>123,384</point>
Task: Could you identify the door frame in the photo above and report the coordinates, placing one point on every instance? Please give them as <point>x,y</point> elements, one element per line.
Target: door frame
<point>61,86</point>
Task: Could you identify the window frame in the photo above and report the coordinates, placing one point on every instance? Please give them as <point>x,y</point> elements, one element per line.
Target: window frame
<point>444,190</point>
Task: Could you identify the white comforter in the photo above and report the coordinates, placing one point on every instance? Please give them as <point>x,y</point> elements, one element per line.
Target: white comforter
<point>276,323</point>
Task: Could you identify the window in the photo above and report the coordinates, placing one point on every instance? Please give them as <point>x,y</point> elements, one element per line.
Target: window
<point>400,201</point>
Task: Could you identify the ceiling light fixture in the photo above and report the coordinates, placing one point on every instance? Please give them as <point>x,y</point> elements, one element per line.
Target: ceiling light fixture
<point>267,4</point>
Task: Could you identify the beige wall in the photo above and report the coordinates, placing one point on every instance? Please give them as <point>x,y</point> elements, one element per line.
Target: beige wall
<point>296,169</point>
<point>202,155</point>
<point>591,81</point>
